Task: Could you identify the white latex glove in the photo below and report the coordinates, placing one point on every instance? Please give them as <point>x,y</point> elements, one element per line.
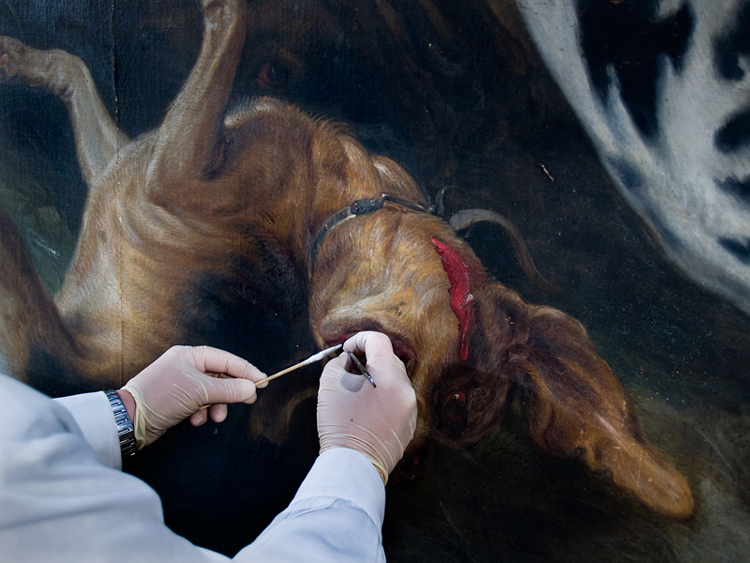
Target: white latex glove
<point>176,386</point>
<point>378,422</point>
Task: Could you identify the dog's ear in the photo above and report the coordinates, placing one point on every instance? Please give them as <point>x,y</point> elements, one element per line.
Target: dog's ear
<point>573,404</point>
<point>396,180</point>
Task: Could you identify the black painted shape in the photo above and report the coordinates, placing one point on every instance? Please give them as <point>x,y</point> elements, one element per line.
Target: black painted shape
<point>734,134</point>
<point>736,187</point>
<point>627,36</point>
<point>728,48</point>
<point>628,174</point>
<point>741,250</point>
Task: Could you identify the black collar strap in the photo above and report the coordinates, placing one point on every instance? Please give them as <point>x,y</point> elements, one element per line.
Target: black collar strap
<point>359,207</point>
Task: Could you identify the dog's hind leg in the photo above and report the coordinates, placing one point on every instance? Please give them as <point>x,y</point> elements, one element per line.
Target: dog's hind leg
<point>189,143</point>
<point>34,343</point>
<point>96,135</point>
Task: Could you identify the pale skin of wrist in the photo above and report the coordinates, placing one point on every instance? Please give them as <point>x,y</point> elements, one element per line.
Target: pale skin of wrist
<point>128,402</point>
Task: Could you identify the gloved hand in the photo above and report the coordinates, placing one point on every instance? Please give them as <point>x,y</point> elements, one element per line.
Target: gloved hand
<point>176,386</point>
<point>379,422</point>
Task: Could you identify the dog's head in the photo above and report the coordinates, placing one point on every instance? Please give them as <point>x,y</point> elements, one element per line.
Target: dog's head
<point>471,345</point>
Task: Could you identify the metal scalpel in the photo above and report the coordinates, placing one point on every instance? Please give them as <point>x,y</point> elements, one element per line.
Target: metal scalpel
<point>361,368</point>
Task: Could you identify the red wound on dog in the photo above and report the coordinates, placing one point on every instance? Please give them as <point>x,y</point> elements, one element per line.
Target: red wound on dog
<point>460,276</point>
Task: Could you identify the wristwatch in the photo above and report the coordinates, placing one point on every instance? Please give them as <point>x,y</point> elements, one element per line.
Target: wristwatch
<point>124,425</point>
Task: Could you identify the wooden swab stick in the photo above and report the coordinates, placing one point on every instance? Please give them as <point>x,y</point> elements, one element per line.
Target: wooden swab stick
<point>311,360</point>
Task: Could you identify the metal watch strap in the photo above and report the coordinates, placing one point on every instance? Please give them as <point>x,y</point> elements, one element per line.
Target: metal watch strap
<point>124,425</point>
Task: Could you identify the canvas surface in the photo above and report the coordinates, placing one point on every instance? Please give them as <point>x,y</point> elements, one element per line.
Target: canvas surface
<point>463,95</point>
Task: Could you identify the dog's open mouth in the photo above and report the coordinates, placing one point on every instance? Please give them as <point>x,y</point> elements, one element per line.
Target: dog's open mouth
<point>403,350</point>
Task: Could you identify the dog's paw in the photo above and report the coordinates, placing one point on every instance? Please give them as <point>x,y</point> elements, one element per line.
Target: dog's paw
<point>228,10</point>
<point>55,70</point>
<point>12,55</point>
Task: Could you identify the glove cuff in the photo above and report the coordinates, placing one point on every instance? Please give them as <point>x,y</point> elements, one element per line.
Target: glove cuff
<point>139,421</point>
<point>380,468</point>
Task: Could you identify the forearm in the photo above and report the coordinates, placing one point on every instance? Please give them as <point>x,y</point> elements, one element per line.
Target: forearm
<point>337,515</point>
<point>51,487</point>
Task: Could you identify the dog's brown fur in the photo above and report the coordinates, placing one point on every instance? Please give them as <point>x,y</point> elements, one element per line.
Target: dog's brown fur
<point>212,189</point>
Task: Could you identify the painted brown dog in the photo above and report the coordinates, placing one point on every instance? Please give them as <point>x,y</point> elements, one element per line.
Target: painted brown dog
<point>215,189</point>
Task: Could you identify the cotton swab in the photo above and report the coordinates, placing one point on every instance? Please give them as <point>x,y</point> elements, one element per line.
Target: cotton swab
<point>311,360</point>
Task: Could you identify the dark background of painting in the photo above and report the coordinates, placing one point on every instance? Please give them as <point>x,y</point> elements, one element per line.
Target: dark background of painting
<point>456,93</point>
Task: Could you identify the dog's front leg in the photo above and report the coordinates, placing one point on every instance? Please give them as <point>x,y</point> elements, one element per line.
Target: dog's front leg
<point>190,142</point>
<point>65,75</point>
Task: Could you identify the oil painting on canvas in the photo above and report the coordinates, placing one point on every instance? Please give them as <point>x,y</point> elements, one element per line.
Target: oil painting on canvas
<point>544,205</point>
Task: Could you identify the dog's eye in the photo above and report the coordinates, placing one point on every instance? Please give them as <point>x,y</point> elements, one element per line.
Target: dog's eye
<point>272,75</point>
<point>454,409</point>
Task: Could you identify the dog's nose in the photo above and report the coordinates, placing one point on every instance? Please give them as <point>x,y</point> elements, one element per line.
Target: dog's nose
<point>412,466</point>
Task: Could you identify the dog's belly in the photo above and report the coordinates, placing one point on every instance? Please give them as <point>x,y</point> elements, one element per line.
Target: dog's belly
<point>143,280</point>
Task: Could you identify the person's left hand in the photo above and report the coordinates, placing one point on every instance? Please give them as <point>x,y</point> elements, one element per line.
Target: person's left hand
<point>177,385</point>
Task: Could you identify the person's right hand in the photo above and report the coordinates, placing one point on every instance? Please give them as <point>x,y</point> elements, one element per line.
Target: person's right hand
<point>177,385</point>
<point>378,422</point>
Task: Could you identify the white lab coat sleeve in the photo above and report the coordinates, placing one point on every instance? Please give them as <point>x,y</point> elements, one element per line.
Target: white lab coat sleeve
<point>58,503</point>
<point>337,515</point>
<point>93,414</point>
